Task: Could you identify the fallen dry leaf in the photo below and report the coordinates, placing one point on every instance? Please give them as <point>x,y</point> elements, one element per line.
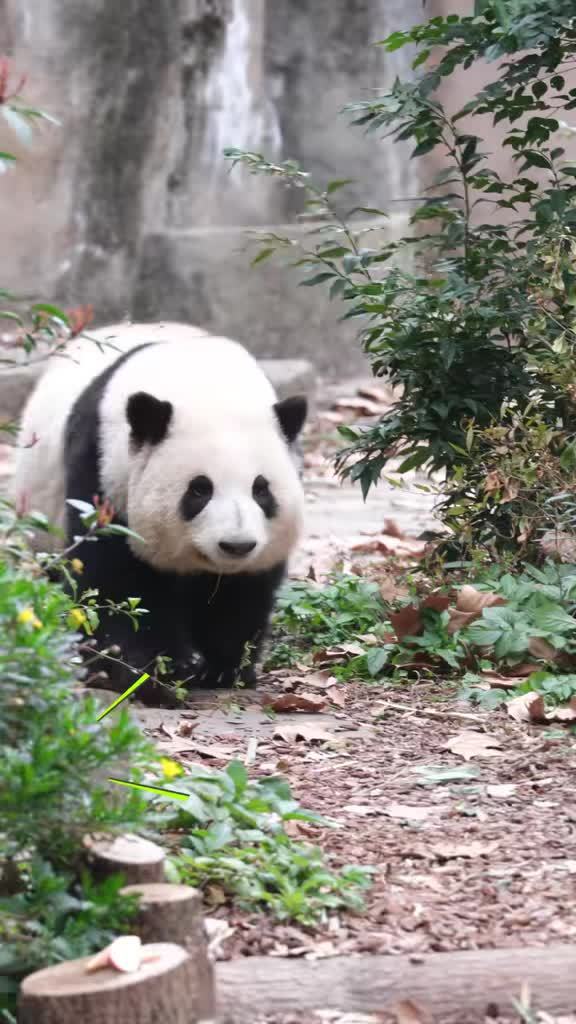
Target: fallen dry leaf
<point>469,744</point>
<point>407,1012</point>
<point>559,544</point>
<point>469,606</point>
<point>471,600</point>
<point>376,394</point>
<point>307,731</point>
<point>387,544</point>
<point>408,621</point>
<point>368,638</point>
<point>528,707</point>
<point>563,714</point>
<point>339,653</point>
<point>449,851</point>
<point>541,649</point>
<point>412,813</point>
<point>297,702</point>
<point>361,406</point>
<point>391,589</point>
<point>391,529</point>
<point>178,746</point>
<point>317,680</point>
<point>495,681</point>
<point>337,695</point>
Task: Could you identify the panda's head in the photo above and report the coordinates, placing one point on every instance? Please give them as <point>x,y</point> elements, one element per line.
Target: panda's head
<point>216,493</point>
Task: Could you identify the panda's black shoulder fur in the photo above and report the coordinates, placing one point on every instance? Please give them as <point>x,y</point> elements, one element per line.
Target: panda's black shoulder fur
<point>211,627</point>
<point>81,439</point>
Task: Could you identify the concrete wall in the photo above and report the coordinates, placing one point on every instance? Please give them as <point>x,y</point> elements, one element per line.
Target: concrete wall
<point>129,206</point>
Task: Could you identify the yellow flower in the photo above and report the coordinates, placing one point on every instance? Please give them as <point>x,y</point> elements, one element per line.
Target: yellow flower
<point>170,769</point>
<point>27,617</point>
<point>77,618</point>
<point>77,565</point>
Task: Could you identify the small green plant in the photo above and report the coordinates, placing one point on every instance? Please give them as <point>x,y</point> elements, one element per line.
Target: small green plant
<point>55,916</point>
<point>234,836</point>
<point>332,614</point>
<point>436,640</point>
<point>556,688</point>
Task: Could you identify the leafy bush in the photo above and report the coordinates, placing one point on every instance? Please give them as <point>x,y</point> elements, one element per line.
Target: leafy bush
<point>47,910</point>
<point>486,315</point>
<point>331,614</point>
<point>234,836</point>
<point>535,620</point>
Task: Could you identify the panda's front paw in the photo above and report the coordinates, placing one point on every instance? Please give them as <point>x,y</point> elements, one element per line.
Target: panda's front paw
<point>215,677</point>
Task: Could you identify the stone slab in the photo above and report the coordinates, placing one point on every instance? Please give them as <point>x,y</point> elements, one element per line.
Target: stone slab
<point>206,277</point>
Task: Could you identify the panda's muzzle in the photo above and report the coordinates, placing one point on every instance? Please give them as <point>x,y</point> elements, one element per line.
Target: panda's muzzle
<point>237,549</point>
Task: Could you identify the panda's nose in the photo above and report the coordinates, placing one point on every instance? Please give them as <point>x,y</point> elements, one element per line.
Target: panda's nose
<point>237,549</point>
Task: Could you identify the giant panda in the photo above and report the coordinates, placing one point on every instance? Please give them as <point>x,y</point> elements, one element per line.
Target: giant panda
<point>184,435</point>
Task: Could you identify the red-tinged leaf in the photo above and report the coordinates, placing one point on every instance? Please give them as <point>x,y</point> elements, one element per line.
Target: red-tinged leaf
<point>298,702</point>
<point>407,622</point>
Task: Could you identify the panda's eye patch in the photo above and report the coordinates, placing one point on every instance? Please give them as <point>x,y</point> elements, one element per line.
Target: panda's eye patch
<point>263,497</point>
<point>201,487</point>
<point>260,488</point>
<point>197,496</point>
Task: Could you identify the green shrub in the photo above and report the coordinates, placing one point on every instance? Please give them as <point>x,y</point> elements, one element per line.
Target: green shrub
<point>486,314</point>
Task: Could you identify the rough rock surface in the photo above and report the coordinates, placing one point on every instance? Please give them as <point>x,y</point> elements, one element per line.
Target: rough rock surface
<point>129,205</point>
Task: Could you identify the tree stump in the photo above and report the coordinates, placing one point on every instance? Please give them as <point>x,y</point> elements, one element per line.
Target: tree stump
<point>173,913</point>
<point>137,859</point>
<point>164,989</point>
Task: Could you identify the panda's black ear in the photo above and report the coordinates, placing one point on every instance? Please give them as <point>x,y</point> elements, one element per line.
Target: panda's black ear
<point>291,414</point>
<point>148,418</point>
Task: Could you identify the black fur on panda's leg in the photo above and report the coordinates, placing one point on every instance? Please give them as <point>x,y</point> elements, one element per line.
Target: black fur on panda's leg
<point>230,628</point>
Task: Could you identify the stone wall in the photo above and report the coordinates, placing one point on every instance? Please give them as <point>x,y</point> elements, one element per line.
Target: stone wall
<point>129,206</point>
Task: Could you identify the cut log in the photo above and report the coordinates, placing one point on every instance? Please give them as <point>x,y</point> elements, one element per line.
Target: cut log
<point>173,913</point>
<point>137,859</point>
<point>452,987</point>
<point>164,989</point>
<point>168,913</point>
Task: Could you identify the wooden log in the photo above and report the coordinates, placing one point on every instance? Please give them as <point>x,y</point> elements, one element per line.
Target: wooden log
<point>452,987</point>
<point>173,913</point>
<point>164,989</point>
<point>137,859</point>
<point>168,913</point>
